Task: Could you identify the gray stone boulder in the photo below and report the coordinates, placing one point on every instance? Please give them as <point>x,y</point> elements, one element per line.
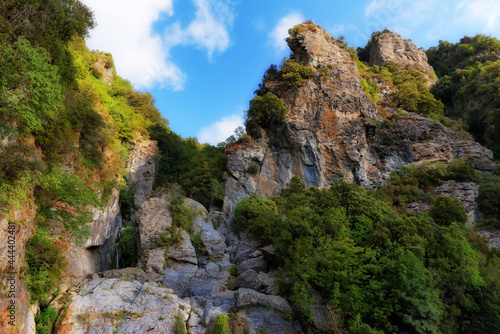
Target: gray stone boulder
<point>115,306</point>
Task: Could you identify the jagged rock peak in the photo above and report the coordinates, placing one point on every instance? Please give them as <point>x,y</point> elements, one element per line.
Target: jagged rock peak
<point>312,45</point>
<point>389,46</point>
<point>333,129</point>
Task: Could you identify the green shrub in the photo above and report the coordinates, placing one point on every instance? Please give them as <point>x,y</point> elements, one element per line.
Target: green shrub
<point>179,326</point>
<point>171,237</point>
<point>294,74</point>
<point>446,211</point>
<point>387,140</point>
<point>197,243</point>
<point>265,108</point>
<point>45,264</point>
<point>257,215</point>
<point>253,169</point>
<point>221,324</point>
<point>45,320</point>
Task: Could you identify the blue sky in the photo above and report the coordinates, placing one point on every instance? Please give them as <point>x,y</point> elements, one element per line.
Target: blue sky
<point>202,59</point>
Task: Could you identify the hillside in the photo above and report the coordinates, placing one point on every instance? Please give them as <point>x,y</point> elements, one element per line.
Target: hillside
<point>354,202</point>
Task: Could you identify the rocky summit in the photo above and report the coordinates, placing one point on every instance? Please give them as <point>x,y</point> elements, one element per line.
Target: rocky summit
<point>333,128</point>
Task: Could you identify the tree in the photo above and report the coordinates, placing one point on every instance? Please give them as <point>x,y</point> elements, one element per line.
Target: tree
<point>265,108</point>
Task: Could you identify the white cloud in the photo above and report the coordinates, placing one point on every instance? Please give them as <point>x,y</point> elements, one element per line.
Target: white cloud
<point>280,32</point>
<point>125,29</point>
<point>209,29</point>
<point>486,13</point>
<point>219,131</point>
<point>431,17</point>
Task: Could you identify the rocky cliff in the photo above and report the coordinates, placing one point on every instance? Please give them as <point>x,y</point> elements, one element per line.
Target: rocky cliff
<point>333,130</point>
<point>388,46</point>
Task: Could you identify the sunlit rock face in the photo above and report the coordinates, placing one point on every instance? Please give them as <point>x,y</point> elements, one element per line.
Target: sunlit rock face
<point>331,129</point>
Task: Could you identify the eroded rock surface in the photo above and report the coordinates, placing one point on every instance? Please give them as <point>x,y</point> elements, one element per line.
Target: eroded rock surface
<point>389,46</point>
<point>331,132</point>
<point>181,283</point>
<point>141,170</point>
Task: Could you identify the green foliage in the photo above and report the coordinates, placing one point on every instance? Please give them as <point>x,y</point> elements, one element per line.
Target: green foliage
<point>182,214</point>
<point>221,324</point>
<point>294,74</point>
<point>253,169</point>
<point>370,87</point>
<point>65,197</point>
<point>265,108</point>
<point>179,325</point>
<point>447,57</point>
<point>45,320</point>
<point>29,87</point>
<point>378,269</point>
<point>233,271</point>
<point>127,201</point>
<point>413,94</point>
<point>387,140</point>
<point>45,264</point>
<point>446,211</point>
<point>257,215</point>
<point>489,202</point>
<point>197,243</point>
<point>171,237</point>
<point>468,84</point>
<point>199,169</point>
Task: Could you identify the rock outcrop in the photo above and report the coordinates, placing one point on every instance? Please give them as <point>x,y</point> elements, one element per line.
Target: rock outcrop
<point>388,46</point>
<point>333,131</point>
<point>96,252</point>
<point>182,284</point>
<point>141,169</point>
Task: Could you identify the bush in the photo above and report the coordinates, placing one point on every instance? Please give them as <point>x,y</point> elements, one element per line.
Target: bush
<point>45,264</point>
<point>221,324</point>
<point>45,320</point>
<point>294,74</point>
<point>446,211</point>
<point>179,326</point>
<point>253,169</point>
<point>265,108</point>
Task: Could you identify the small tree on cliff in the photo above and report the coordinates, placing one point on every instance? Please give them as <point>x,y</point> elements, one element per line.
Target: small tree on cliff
<point>265,108</point>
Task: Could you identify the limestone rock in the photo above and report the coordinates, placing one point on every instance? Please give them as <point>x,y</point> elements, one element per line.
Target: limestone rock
<point>247,297</point>
<point>272,322</point>
<point>330,132</point>
<point>153,219</point>
<point>112,305</point>
<point>141,169</point>
<point>258,264</point>
<point>183,252</point>
<point>389,46</point>
<point>212,241</point>
<point>466,193</point>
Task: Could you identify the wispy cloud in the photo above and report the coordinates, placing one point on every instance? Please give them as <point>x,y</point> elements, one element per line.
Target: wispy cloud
<point>209,29</point>
<point>428,17</point>
<point>219,131</point>
<point>125,29</point>
<point>486,13</point>
<point>280,32</point>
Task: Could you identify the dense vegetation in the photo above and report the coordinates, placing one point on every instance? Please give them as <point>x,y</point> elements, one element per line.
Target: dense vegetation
<point>377,270</point>
<point>468,85</point>
<point>67,125</point>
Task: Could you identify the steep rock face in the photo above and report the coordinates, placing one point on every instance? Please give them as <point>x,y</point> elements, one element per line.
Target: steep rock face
<point>389,46</point>
<point>141,169</point>
<point>179,284</point>
<point>96,252</point>
<point>331,132</point>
